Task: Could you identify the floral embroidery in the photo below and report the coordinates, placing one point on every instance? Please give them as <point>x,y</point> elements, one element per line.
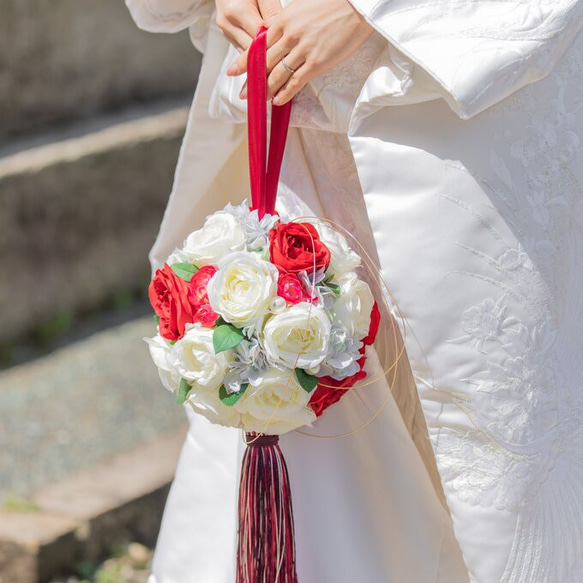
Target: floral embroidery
<point>484,322</point>
<point>524,452</point>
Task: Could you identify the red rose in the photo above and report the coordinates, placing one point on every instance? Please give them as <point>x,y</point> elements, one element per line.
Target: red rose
<point>169,298</point>
<point>296,247</point>
<point>291,289</point>
<point>324,396</point>
<point>206,316</point>
<point>198,283</point>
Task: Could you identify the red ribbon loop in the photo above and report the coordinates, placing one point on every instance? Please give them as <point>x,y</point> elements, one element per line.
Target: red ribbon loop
<point>263,170</point>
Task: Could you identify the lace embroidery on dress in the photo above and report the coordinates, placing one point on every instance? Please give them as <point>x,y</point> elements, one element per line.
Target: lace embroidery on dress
<point>326,103</point>
<point>332,95</point>
<point>525,451</point>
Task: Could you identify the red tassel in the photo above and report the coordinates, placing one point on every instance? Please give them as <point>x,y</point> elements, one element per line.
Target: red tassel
<point>266,550</point>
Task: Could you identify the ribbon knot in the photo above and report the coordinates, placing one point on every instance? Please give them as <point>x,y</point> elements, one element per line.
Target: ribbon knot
<point>254,440</point>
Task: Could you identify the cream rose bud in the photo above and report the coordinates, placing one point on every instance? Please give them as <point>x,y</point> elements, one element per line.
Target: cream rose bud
<point>275,404</point>
<point>195,359</point>
<point>297,337</point>
<point>342,258</point>
<point>354,305</point>
<point>161,353</point>
<point>243,288</point>
<point>220,234</point>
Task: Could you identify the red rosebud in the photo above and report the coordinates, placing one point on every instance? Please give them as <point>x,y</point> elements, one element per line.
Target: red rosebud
<point>206,316</point>
<point>324,396</point>
<point>291,289</point>
<point>169,297</point>
<point>198,283</point>
<point>375,320</point>
<point>296,247</point>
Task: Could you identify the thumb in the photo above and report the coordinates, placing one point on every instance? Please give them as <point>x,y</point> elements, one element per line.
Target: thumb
<point>269,9</point>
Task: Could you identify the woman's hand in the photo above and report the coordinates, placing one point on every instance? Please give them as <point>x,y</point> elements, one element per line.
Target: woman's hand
<point>312,36</point>
<point>239,20</point>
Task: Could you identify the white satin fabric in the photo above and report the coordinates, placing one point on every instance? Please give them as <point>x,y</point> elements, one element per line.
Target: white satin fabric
<point>450,145</point>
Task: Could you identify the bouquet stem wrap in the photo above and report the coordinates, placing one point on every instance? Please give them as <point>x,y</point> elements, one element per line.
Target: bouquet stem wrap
<point>266,547</point>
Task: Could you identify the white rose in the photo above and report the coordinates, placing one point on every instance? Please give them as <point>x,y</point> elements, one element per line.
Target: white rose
<point>354,305</point>
<point>342,258</point>
<point>242,289</point>
<point>275,404</point>
<point>178,256</point>
<point>208,404</point>
<point>161,353</point>
<point>297,336</point>
<point>220,234</point>
<point>195,359</point>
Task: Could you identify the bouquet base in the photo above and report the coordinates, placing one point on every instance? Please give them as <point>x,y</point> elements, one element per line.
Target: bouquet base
<point>266,550</point>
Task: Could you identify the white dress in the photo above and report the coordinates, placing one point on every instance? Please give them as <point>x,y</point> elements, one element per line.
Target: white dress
<point>450,146</point>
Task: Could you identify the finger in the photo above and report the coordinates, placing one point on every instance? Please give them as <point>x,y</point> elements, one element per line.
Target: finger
<point>240,65</point>
<point>237,37</point>
<point>279,76</point>
<point>295,84</point>
<point>243,92</point>
<point>250,22</point>
<point>278,51</point>
<point>269,9</point>
<point>274,32</point>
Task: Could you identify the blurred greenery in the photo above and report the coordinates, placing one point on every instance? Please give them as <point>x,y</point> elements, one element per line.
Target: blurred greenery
<point>66,325</point>
<point>15,503</point>
<point>127,563</point>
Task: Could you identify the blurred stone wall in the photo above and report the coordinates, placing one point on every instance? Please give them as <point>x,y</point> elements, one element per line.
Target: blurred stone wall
<point>65,59</point>
<point>92,113</point>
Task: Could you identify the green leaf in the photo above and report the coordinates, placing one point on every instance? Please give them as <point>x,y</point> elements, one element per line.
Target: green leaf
<point>334,287</point>
<point>183,391</point>
<point>229,399</point>
<point>307,381</point>
<point>184,270</point>
<point>221,321</point>
<point>156,319</point>
<point>226,337</point>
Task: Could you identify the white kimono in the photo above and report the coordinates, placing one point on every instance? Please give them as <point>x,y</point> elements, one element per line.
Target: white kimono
<point>450,146</point>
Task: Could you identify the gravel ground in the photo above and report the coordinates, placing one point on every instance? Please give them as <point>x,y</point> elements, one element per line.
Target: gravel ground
<point>78,406</point>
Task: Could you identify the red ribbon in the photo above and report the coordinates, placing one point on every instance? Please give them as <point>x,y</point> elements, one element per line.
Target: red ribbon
<point>263,170</point>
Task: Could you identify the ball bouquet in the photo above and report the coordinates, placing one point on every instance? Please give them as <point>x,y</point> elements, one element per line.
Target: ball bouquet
<point>263,323</point>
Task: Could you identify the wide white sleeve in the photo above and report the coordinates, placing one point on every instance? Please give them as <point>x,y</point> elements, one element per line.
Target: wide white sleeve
<point>477,52</point>
<point>168,15</point>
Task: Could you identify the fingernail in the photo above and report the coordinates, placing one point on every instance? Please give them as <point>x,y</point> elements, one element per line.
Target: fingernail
<point>243,94</point>
<point>277,100</point>
<point>232,70</point>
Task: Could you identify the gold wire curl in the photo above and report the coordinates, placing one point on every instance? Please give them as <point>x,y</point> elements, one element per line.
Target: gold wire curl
<point>391,309</point>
